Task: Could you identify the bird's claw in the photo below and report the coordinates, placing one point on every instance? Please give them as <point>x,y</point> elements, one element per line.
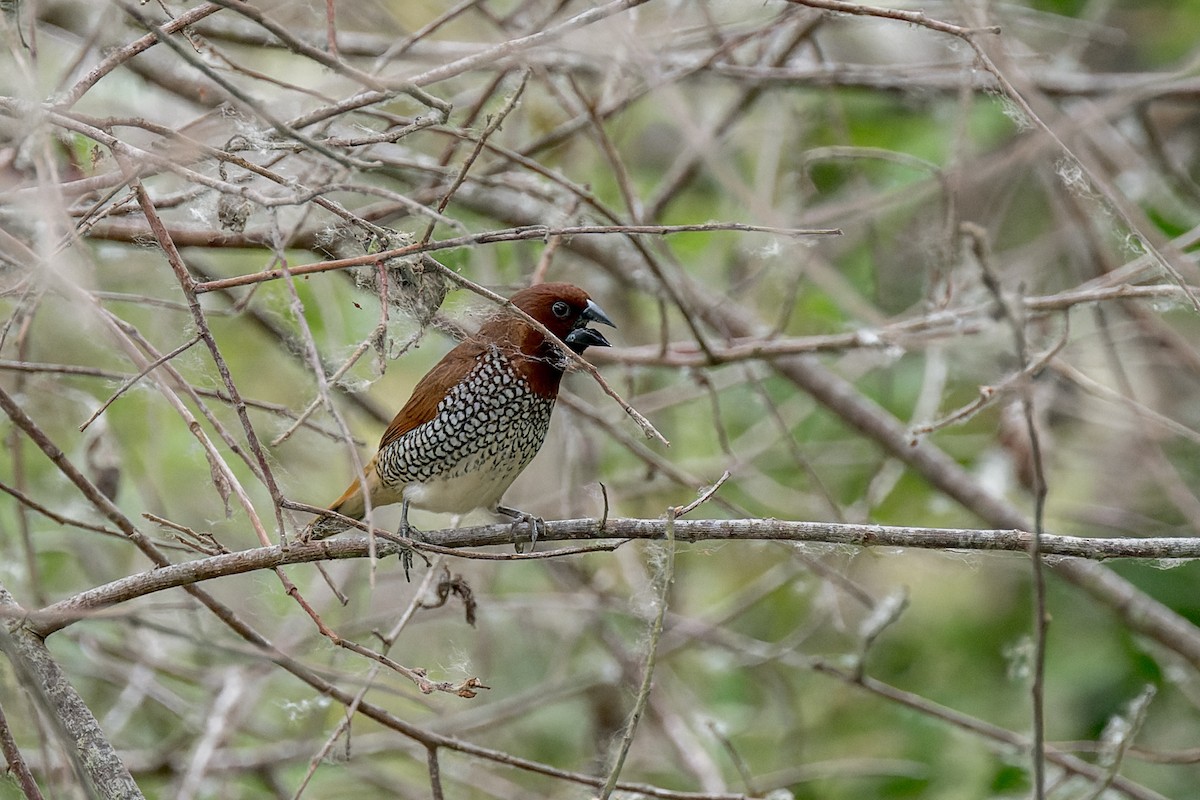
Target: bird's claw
<point>408,534</point>
<point>406,531</point>
<point>537,527</point>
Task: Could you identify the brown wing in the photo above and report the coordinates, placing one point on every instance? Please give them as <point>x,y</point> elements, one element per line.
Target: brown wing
<point>430,390</point>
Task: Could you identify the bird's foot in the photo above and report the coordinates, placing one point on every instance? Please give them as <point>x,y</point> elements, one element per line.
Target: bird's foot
<point>411,534</point>
<point>405,535</point>
<point>537,526</point>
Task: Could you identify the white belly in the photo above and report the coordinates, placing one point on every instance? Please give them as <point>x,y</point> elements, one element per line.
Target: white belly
<point>461,494</point>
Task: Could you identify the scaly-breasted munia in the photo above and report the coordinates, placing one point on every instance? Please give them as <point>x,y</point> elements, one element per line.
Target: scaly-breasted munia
<point>477,419</point>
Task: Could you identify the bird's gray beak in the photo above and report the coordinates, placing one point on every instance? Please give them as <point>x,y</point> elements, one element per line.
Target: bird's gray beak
<point>594,313</point>
<point>581,339</point>
<point>584,337</point>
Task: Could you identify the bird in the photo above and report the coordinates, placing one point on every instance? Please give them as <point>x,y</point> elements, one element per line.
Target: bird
<point>478,417</point>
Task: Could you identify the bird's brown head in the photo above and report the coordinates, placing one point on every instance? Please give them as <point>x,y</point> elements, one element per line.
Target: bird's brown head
<point>565,310</point>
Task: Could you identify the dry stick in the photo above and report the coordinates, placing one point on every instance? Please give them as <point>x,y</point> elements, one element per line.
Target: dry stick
<point>344,723</point>
<point>608,149</point>
<point>322,400</point>
<point>1111,588</point>
<point>553,244</point>
<point>331,28</point>
<point>1136,718</point>
<point>28,501</point>
<point>1129,214</point>
<point>435,772</point>
<point>127,52</point>
<point>989,394</point>
<point>222,718</point>
<point>23,315</point>
<point>1097,389</point>
<point>462,689</point>
<point>298,192</point>
<point>225,481</point>
<point>101,773</point>
<point>585,779</point>
<point>667,77</point>
<point>461,133</point>
<point>974,725</point>
<point>739,763</point>
<point>313,355</point>
<point>399,48</point>
<point>665,576</point>
<point>635,210</point>
<point>223,477</point>
<point>523,233</point>
<point>681,173</point>
<point>86,487</point>
<point>79,606</point>
<point>1138,610</point>
<point>138,155</point>
<point>489,56</point>
<point>492,126</point>
<point>97,768</point>
<point>206,47</point>
<point>187,284</point>
<point>244,100</point>
<point>911,17</point>
<point>977,238</point>
<point>139,349</point>
<point>16,762</point>
<point>331,61</point>
<point>106,506</point>
<point>430,738</point>
<point>192,540</point>
<point>544,34</point>
<point>311,352</point>
<point>302,350</point>
<point>935,326</point>
<point>129,383</point>
<point>949,78</point>
<point>110,375</point>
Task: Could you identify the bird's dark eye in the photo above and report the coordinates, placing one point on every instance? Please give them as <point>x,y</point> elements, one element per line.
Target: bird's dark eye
<point>561,309</point>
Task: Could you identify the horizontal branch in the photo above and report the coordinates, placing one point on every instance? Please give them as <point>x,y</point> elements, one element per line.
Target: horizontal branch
<point>456,541</point>
<point>948,77</point>
<point>523,233</point>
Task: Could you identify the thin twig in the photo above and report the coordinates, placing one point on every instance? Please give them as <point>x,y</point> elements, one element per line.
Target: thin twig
<point>665,575</point>
<point>977,239</point>
<point>507,235</point>
<point>128,384</point>
<point>16,762</point>
<point>911,17</point>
